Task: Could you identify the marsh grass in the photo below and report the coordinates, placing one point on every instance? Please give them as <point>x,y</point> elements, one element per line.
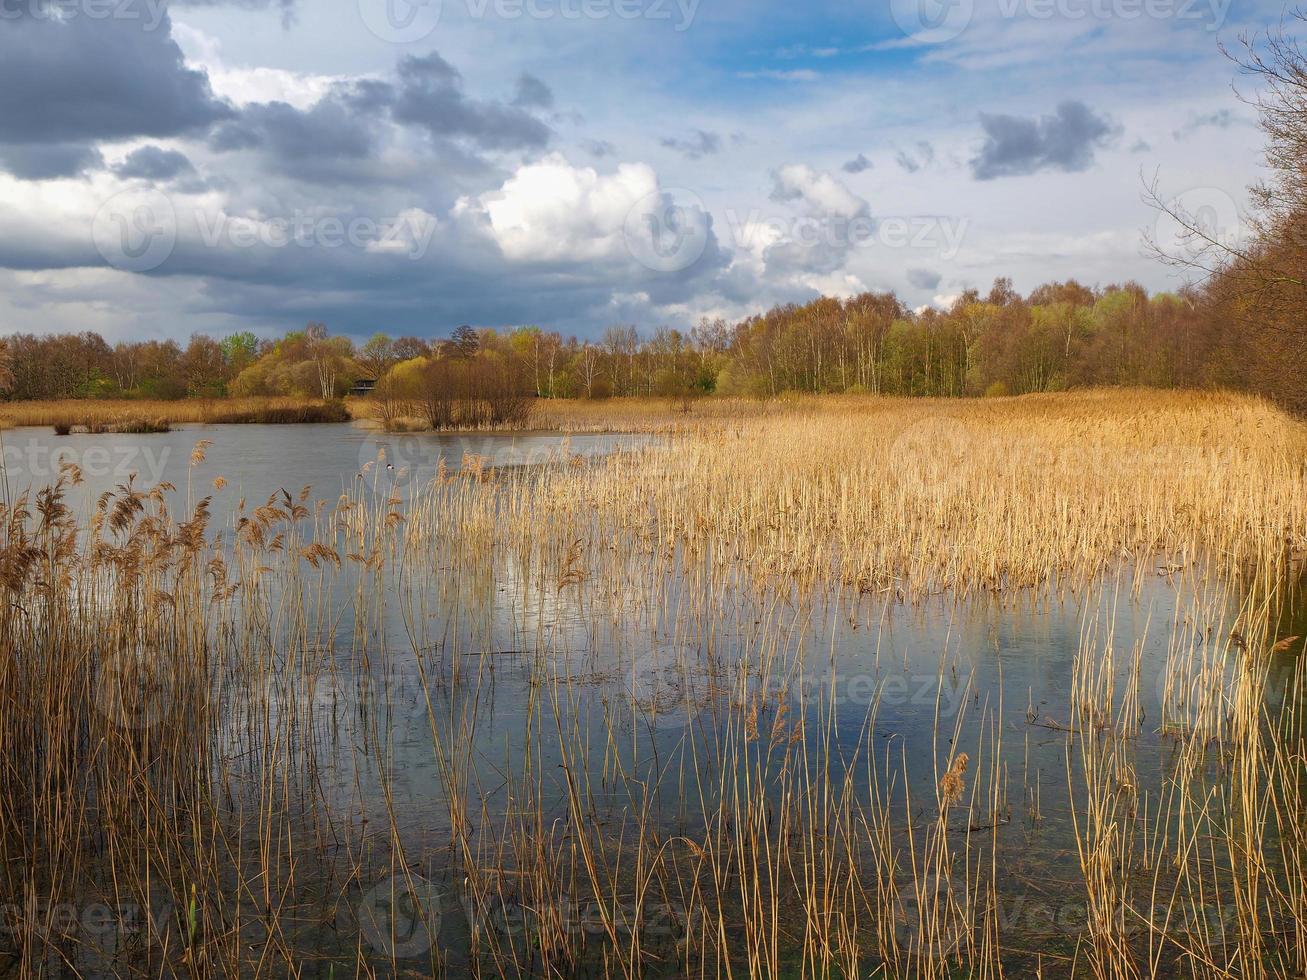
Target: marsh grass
<point>136,415</point>
<point>201,721</point>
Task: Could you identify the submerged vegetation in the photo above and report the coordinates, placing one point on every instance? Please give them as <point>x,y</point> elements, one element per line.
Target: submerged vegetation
<point>599,718</point>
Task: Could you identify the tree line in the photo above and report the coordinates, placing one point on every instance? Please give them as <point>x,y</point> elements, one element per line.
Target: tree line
<point>1058,336</point>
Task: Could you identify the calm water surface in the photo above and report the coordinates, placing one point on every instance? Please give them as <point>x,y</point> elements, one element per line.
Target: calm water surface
<point>888,692</point>
<point>257,461</point>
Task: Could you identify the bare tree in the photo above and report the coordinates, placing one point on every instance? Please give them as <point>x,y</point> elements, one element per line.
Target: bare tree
<point>330,356</point>
<point>588,364</point>
<point>6,368</point>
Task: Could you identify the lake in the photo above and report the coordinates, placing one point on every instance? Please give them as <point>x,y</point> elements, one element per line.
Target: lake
<point>450,752</point>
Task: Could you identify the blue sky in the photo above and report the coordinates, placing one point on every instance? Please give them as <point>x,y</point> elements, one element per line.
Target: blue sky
<point>255,164</point>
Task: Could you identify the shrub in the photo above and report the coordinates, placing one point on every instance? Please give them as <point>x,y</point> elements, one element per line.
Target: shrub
<point>143,425</point>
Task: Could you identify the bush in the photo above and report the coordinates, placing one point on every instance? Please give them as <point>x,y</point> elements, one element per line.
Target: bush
<point>143,426</point>
<point>284,414</point>
<point>996,390</point>
<point>472,393</point>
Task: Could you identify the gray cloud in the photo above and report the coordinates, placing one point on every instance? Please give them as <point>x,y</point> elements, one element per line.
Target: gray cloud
<point>532,93</point>
<point>923,156</point>
<point>699,144</point>
<point>338,139</point>
<point>330,128</point>
<point>47,161</point>
<point>1015,146</point>
<point>154,163</point>
<point>79,80</point>
<point>857,165</point>
<point>599,148</point>
<point>1221,119</point>
<point>923,278</point>
<point>431,96</point>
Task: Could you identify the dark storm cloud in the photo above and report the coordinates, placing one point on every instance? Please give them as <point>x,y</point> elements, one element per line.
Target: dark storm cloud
<point>79,80</point>
<point>154,163</point>
<point>430,95</point>
<point>700,144</point>
<point>532,93</point>
<point>1015,146</point>
<point>330,140</point>
<point>857,165</point>
<point>328,130</point>
<point>47,161</point>
<point>923,278</point>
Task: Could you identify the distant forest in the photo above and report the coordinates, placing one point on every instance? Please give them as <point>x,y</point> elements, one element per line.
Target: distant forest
<point>1241,324</point>
<point>1061,335</point>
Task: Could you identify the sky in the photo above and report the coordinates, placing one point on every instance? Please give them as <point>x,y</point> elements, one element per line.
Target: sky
<point>383,165</point>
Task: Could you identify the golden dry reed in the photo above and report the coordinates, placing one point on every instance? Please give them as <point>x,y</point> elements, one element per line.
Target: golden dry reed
<point>105,414</point>
<point>562,720</point>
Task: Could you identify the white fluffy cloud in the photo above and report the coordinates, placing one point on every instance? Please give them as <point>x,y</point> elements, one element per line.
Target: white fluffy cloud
<point>551,211</point>
<point>244,85</point>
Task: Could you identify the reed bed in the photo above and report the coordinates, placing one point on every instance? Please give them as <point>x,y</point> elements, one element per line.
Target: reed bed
<point>106,415</point>
<point>593,718</point>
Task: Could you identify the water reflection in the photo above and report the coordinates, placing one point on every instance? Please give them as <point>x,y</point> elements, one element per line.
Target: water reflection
<point>468,723</point>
